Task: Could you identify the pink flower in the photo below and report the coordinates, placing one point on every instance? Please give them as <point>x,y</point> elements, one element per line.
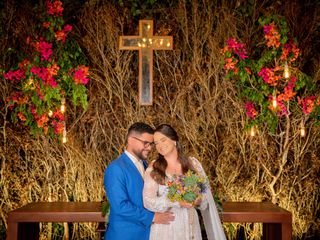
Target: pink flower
<point>237,48</point>
<point>45,49</point>
<point>251,111</point>
<point>14,75</point>
<point>58,127</point>
<point>54,8</point>
<point>307,104</point>
<point>46,75</point>
<point>67,28</point>
<point>81,75</point>
<point>268,76</point>
<point>58,115</point>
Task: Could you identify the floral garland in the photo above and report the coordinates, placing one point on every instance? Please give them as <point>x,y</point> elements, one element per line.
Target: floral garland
<point>265,84</point>
<point>47,79</point>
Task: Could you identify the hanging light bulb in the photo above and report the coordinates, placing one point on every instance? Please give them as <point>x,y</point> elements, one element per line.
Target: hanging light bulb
<point>50,113</point>
<point>252,131</point>
<point>274,102</point>
<point>63,106</point>
<point>64,134</point>
<point>286,72</point>
<point>302,131</point>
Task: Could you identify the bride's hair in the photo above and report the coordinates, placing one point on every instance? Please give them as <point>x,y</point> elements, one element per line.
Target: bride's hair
<point>160,164</point>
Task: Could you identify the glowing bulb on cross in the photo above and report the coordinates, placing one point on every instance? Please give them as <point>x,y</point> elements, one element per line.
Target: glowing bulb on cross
<point>286,72</point>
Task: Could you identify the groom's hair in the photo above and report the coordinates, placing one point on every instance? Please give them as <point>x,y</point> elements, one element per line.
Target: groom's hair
<point>139,128</point>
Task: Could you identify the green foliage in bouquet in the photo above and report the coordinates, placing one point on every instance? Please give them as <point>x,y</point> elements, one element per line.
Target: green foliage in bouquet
<point>186,187</point>
<point>270,83</point>
<point>51,75</point>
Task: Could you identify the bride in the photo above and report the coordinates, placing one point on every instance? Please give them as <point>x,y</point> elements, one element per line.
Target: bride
<point>172,161</point>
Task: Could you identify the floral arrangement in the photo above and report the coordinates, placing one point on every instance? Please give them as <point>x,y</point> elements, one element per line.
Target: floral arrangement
<point>48,77</point>
<point>187,188</point>
<point>270,82</point>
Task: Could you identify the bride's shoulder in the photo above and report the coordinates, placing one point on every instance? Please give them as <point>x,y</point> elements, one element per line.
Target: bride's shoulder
<point>150,166</point>
<point>195,163</point>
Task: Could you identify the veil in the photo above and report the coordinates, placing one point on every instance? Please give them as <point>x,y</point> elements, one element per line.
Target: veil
<point>211,219</point>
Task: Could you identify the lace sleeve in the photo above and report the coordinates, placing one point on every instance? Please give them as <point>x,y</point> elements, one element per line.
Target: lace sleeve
<point>198,167</point>
<point>152,199</point>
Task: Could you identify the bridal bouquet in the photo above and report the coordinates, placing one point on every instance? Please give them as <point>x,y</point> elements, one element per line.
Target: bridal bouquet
<point>186,187</point>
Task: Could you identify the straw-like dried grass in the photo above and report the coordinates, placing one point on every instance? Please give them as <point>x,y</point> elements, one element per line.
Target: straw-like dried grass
<point>190,93</point>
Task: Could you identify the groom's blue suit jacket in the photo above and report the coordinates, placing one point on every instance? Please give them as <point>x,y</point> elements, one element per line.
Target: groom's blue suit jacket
<point>128,219</point>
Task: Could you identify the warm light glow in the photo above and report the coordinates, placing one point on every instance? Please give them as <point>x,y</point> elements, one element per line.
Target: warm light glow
<point>64,135</point>
<point>63,107</point>
<point>148,26</point>
<point>139,44</point>
<point>150,40</point>
<point>50,113</point>
<point>168,44</point>
<point>303,132</point>
<point>252,132</point>
<point>144,39</point>
<point>274,102</point>
<point>161,41</point>
<point>286,72</point>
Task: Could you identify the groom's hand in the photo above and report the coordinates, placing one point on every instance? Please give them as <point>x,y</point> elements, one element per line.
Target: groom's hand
<point>163,218</point>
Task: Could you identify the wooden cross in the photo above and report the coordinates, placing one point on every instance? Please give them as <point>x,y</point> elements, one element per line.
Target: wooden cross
<point>146,43</point>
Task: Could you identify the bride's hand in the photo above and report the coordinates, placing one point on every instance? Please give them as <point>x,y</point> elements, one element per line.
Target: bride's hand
<point>186,204</point>
<point>198,201</point>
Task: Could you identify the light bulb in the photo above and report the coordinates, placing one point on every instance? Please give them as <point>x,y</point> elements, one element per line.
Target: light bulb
<point>50,113</point>
<point>168,44</point>
<point>64,135</point>
<point>252,132</point>
<point>63,106</point>
<point>286,72</point>
<point>303,132</point>
<point>274,102</point>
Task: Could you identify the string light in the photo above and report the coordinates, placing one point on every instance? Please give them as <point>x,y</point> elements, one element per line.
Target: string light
<point>64,134</point>
<point>302,130</point>
<point>252,131</point>
<point>63,106</point>
<point>274,101</point>
<point>286,72</point>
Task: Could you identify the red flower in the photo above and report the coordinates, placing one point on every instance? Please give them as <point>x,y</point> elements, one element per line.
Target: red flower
<point>14,75</point>
<point>81,75</point>
<point>271,35</point>
<point>54,8</point>
<point>251,111</point>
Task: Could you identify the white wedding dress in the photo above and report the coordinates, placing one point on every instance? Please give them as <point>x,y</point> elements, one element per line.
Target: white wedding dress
<point>186,224</point>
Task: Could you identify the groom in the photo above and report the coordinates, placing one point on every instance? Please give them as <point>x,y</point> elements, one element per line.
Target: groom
<point>123,181</point>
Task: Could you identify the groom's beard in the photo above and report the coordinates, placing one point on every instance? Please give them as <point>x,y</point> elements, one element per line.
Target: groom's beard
<point>143,155</point>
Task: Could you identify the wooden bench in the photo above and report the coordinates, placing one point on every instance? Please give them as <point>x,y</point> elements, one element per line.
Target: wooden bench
<point>23,222</point>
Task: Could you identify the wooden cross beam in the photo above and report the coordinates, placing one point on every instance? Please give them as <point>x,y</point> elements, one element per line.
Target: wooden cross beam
<point>145,43</point>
